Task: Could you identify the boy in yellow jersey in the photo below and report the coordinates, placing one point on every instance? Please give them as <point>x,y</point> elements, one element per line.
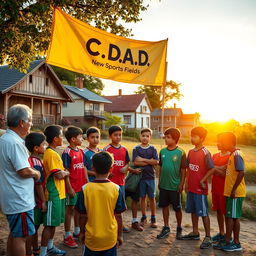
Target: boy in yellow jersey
<point>103,202</point>
<point>235,192</point>
<point>55,190</point>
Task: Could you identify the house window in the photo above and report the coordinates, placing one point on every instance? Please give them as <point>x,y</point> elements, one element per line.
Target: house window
<point>142,125</point>
<point>65,105</point>
<point>96,107</point>
<point>127,119</point>
<point>147,120</point>
<point>30,79</point>
<point>47,81</point>
<point>145,109</point>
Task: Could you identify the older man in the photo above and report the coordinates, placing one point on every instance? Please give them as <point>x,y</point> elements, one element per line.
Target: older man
<point>17,179</point>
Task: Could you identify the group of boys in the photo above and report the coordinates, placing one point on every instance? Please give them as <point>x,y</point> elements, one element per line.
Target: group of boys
<point>92,181</point>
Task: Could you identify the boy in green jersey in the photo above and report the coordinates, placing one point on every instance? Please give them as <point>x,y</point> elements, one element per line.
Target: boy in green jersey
<point>171,180</point>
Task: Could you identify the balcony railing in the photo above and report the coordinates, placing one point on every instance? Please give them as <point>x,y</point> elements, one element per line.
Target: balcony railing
<point>39,119</point>
<point>93,113</point>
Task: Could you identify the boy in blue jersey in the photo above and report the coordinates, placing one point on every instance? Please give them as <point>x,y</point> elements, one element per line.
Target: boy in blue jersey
<point>93,138</point>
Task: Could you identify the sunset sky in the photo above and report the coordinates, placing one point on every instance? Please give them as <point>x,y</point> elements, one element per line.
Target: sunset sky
<point>211,51</point>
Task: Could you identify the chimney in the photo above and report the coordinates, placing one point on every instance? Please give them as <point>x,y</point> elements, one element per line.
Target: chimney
<point>119,92</point>
<point>80,82</point>
<point>174,105</point>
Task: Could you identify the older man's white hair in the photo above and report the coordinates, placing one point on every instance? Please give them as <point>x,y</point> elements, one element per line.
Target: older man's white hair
<point>18,113</point>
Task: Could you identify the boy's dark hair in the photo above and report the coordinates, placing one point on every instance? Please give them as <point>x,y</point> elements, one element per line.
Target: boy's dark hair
<point>73,132</point>
<point>199,131</point>
<point>228,138</point>
<point>34,139</point>
<point>51,132</point>
<point>102,162</point>
<point>91,130</point>
<point>146,130</point>
<point>114,128</point>
<point>174,132</point>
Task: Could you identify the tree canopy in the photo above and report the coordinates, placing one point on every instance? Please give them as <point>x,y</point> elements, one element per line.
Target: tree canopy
<point>155,94</point>
<point>25,25</point>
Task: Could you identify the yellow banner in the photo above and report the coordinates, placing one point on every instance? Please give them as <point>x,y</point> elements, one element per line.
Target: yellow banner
<point>82,48</point>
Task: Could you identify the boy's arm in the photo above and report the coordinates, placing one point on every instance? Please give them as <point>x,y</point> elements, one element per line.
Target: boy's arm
<point>60,175</point>
<point>70,190</point>
<point>86,173</point>
<point>206,176</point>
<point>134,170</point>
<point>40,193</point>
<point>82,224</point>
<point>120,229</point>
<point>183,178</point>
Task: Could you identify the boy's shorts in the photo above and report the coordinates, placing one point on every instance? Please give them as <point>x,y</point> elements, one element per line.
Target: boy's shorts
<point>147,187</point>
<point>197,203</point>
<point>22,224</point>
<point>135,196</point>
<point>109,252</point>
<point>72,200</point>
<point>55,213</point>
<point>38,216</point>
<point>219,203</point>
<point>234,207</point>
<point>169,197</point>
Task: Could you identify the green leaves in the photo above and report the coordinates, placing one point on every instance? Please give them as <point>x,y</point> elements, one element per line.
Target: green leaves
<point>25,25</point>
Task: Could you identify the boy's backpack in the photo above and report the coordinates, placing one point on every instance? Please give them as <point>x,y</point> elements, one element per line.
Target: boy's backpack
<point>132,181</point>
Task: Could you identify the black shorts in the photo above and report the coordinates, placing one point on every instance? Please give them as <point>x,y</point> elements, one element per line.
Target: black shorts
<point>134,195</point>
<point>169,197</point>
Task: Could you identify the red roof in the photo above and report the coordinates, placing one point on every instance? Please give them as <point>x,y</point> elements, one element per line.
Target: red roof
<point>125,103</point>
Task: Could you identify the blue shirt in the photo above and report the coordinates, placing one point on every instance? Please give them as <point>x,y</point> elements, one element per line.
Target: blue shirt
<point>16,192</point>
<point>88,154</point>
<point>148,171</point>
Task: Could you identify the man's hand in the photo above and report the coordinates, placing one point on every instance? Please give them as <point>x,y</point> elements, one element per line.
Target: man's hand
<point>37,175</point>
<point>44,207</point>
<point>119,241</point>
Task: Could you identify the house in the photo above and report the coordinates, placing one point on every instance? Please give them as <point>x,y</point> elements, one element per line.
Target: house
<point>87,108</point>
<point>174,117</point>
<point>40,89</point>
<point>134,109</point>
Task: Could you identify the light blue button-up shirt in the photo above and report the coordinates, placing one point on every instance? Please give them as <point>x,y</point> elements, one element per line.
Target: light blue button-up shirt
<point>16,192</point>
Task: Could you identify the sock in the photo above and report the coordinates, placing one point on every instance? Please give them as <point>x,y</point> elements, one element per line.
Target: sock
<point>50,244</point>
<point>43,251</point>
<point>67,234</point>
<point>134,220</point>
<point>153,216</point>
<point>144,216</point>
<point>77,230</point>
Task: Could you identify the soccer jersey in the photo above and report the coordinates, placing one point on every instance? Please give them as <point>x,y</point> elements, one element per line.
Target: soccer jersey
<point>148,152</point>
<point>73,160</point>
<point>235,165</point>
<point>37,164</point>
<point>88,154</point>
<point>171,162</point>
<point>121,158</point>
<point>99,200</point>
<point>218,182</point>
<point>55,188</point>
<point>199,162</point>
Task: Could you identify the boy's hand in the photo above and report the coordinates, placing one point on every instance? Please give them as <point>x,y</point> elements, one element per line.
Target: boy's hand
<point>119,241</point>
<point>233,194</point>
<point>186,187</point>
<point>71,192</point>
<point>180,188</point>
<point>124,169</point>
<point>137,171</point>
<point>202,185</point>
<point>44,207</point>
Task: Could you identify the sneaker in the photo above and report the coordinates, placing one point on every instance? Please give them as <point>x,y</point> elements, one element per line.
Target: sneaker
<point>126,230</point>
<point>143,221</point>
<point>232,247</point>
<point>70,242</point>
<point>164,233</point>
<point>178,233</point>
<point>219,245</point>
<point>136,226</point>
<point>207,243</point>
<point>55,251</point>
<point>191,236</point>
<point>76,237</point>
<point>153,223</point>
<point>218,237</point>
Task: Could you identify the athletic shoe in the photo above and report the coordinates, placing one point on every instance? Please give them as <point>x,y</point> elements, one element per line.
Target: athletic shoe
<point>191,236</point>
<point>143,221</point>
<point>207,243</point>
<point>164,233</point>
<point>76,237</point>
<point>136,226</point>
<point>219,245</point>
<point>55,251</point>
<point>178,233</point>
<point>153,223</point>
<point>70,242</point>
<point>218,237</point>
<point>232,247</point>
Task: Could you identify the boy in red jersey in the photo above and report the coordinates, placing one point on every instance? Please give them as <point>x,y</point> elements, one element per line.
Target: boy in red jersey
<point>121,158</point>
<point>73,161</point>
<point>199,163</point>
<point>218,182</point>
